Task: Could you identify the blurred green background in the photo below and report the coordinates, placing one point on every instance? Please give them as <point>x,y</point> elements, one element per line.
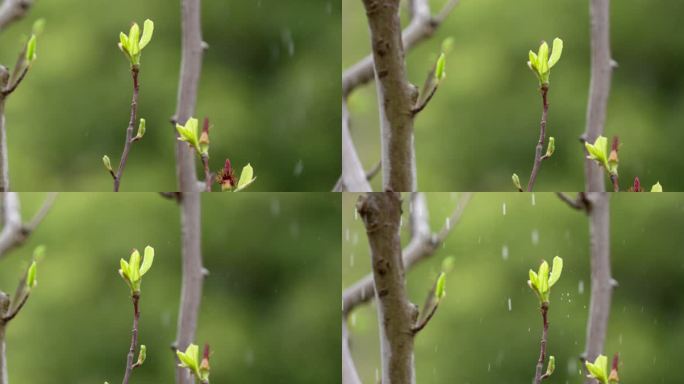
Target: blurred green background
<point>483,123</point>
<point>270,305</point>
<point>269,83</point>
<point>488,327</point>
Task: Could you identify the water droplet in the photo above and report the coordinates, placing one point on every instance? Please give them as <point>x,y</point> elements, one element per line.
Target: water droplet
<point>503,209</point>
<point>534,200</point>
<point>510,305</point>
<point>275,207</point>
<point>288,41</point>
<point>535,237</point>
<point>448,223</point>
<point>299,168</point>
<point>346,234</point>
<point>504,252</point>
<point>580,287</point>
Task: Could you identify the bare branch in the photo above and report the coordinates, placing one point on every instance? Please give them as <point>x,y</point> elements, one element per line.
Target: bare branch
<point>353,176</point>
<point>601,279</point>
<point>599,89</point>
<point>15,232</point>
<point>13,10</point>
<point>538,158</point>
<point>538,377</point>
<point>579,202</point>
<point>381,214</point>
<point>134,339</point>
<point>396,96</point>
<point>191,67</point>
<point>349,373</point>
<point>129,130</point>
<point>420,29</point>
<point>418,249</point>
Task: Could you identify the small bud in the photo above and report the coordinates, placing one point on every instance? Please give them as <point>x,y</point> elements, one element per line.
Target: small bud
<point>657,187</point>
<point>551,367</point>
<point>637,185</point>
<point>31,276</point>
<point>439,68</point>
<point>204,138</point>
<point>439,288</point>
<point>551,147</point>
<point>226,177</point>
<point>516,182</point>
<point>142,355</point>
<point>31,49</point>
<point>141,130</point>
<point>107,163</point>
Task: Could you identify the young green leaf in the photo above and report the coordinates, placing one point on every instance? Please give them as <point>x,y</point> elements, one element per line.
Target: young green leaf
<point>141,129</point>
<point>189,133</point>
<point>439,289</point>
<point>134,40</point>
<point>142,355</point>
<point>556,271</point>
<point>516,181</point>
<point>533,282</point>
<point>134,266</point>
<point>31,276</point>
<point>543,276</point>
<point>556,52</point>
<point>551,147</point>
<point>657,187</point>
<point>439,68</point>
<point>246,178</point>
<point>597,370</point>
<point>148,259</point>
<point>31,49</point>
<point>107,163</point>
<point>551,367</point>
<point>598,151</point>
<point>148,30</point>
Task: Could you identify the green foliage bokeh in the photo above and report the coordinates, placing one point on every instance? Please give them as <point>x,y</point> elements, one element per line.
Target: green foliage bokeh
<point>483,123</point>
<point>269,306</point>
<point>488,326</point>
<point>269,83</point>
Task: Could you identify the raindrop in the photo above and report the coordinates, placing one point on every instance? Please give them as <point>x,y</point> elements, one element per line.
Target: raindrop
<point>489,367</point>
<point>346,234</point>
<point>288,41</point>
<point>356,214</point>
<point>504,252</point>
<point>534,200</point>
<point>535,237</point>
<point>620,339</point>
<point>448,223</point>
<point>275,207</point>
<point>299,168</point>
<point>503,209</point>
<point>580,287</point>
<point>510,305</point>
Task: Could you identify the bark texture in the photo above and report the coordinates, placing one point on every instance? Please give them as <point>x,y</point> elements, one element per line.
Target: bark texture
<point>599,89</point>
<point>601,279</point>
<point>381,213</point>
<point>396,96</point>
<point>13,10</point>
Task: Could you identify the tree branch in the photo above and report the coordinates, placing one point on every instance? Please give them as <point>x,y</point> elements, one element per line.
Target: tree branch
<point>129,130</point>
<point>13,10</point>
<point>542,348</point>
<point>349,373</point>
<point>420,29</point>
<point>396,96</point>
<point>191,289</point>
<point>599,89</point>
<point>191,67</point>
<point>381,214</point>
<point>134,339</point>
<point>601,279</point>
<point>193,276</point>
<point>353,177</point>
<point>15,232</point>
<point>418,249</point>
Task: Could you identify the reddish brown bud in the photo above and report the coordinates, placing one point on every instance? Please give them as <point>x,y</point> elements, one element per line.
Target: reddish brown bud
<point>637,185</point>
<point>226,177</point>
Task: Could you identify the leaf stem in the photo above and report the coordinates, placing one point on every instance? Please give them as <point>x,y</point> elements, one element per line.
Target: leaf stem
<point>134,338</point>
<point>538,377</point>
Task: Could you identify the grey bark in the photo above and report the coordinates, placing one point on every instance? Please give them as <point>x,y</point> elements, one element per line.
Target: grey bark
<point>381,213</point>
<point>396,96</point>
<point>13,10</point>
<point>15,232</point>
<point>353,175</point>
<point>4,156</point>
<point>4,306</point>
<point>601,279</point>
<point>193,276</point>
<point>599,89</point>
<point>349,373</point>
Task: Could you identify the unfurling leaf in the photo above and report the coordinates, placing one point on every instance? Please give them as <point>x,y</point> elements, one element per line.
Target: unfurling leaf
<point>142,355</point>
<point>657,187</point>
<point>107,163</point>
<point>439,288</point>
<point>31,276</point>
<point>189,133</point>
<point>141,129</point>
<point>556,271</point>
<point>551,147</point>
<point>516,182</point>
<point>598,368</point>
<point>439,68</point>
<point>551,367</point>
<point>246,178</point>
<point>148,30</point>
<point>31,49</point>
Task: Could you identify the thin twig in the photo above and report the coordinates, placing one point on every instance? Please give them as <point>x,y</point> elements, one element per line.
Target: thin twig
<point>8,317</point>
<point>578,203</point>
<point>418,108</point>
<point>542,348</point>
<point>12,87</point>
<point>207,173</point>
<point>419,327</point>
<point>134,339</point>
<point>13,10</point>
<point>538,158</point>
<point>15,232</point>
<point>129,130</point>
